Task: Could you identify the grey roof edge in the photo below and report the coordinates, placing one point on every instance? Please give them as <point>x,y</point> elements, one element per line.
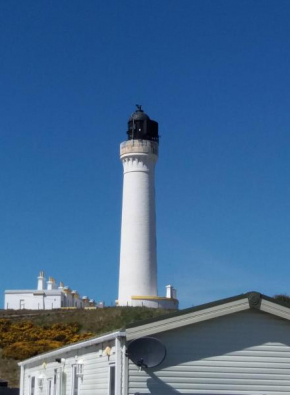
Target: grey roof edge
<point>206,306</point>
<point>74,346</point>
<point>273,300</point>
<point>32,291</point>
<point>11,291</point>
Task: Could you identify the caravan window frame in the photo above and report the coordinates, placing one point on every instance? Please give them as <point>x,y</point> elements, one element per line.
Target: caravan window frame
<point>32,387</point>
<point>112,383</point>
<point>75,379</point>
<point>49,387</point>
<point>55,382</point>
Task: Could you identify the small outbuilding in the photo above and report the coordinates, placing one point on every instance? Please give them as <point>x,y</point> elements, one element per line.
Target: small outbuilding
<point>234,346</point>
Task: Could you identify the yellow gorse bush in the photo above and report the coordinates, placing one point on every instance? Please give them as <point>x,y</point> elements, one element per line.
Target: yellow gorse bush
<point>24,339</point>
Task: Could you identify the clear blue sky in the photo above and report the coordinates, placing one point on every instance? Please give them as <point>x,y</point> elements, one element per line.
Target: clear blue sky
<point>214,74</point>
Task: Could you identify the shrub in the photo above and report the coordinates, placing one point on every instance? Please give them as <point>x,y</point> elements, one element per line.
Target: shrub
<point>283,298</point>
<point>24,350</point>
<point>23,339</point>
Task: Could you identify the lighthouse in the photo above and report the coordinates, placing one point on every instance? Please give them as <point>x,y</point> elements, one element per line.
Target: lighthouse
<point>138,255</point>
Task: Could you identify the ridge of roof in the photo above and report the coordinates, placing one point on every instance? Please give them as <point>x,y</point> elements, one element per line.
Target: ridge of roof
<point>206,306</point>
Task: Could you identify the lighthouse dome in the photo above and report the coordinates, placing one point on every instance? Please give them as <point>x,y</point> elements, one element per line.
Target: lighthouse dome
<point>141,127</point>
<point>138,115</point>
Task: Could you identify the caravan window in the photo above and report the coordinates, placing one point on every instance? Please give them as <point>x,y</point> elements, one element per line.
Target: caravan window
<point>75,381</point>
<point>55,382</point>
<point>49,387</point>
<point>112,379</point>
<point>32,385</point>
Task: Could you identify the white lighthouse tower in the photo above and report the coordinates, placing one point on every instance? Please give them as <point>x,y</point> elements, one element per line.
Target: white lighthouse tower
<point>138,263</point>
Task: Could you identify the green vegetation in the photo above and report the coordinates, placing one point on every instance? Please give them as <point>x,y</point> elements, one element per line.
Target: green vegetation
<point>283,298</point>
<point>26,333</point>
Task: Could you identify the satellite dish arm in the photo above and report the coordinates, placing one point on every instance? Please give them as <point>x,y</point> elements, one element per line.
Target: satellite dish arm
<point>141,363</point>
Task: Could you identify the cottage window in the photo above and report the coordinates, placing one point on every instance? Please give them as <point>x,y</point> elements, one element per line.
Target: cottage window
<point>112,379</point>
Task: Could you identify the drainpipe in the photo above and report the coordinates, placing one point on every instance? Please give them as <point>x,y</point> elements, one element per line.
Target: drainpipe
<point>21,392</point>
<point>118,376</point>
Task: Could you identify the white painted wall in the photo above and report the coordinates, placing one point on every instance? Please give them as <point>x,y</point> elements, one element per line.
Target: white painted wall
<point>39,300</point>
<point>52,302</point>
<point>138,266</point>
<point>156,303</point>
<point>246,353</point>
<point>18,300</point>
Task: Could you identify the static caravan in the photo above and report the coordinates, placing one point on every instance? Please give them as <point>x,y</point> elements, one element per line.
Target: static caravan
<point>89,367</point>
<point>235,346</point>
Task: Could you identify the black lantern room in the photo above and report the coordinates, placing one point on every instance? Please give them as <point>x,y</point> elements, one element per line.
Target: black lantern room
<point>141,127</point>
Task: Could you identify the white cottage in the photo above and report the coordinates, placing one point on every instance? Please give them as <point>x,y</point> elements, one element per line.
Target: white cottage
<point>46,298</point>
<point>239,345</point>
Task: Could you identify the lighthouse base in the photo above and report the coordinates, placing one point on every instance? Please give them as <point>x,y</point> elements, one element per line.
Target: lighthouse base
<point>155,302</point>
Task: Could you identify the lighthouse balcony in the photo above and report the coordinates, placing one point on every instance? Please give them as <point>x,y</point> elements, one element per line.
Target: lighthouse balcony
<point>139,147</point>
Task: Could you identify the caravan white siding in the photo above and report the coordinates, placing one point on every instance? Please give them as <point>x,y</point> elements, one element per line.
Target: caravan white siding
<point>58,377</point>
<point>242,353</point>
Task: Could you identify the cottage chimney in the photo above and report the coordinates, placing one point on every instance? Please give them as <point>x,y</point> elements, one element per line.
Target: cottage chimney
<point>40,281</point>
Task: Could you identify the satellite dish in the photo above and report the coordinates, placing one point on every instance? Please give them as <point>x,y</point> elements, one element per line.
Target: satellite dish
<point>146,352</point>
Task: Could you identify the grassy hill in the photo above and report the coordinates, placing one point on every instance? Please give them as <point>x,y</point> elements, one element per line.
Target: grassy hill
<point>94,322</point>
